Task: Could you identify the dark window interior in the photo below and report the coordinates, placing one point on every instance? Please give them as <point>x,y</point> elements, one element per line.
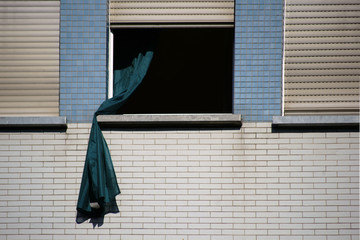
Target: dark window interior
<point>191,71</point>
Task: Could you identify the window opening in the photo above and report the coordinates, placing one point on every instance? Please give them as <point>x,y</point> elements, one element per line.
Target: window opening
<point>191,70</point>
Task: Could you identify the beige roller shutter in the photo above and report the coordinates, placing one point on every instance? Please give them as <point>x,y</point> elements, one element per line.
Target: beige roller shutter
<point>29,58</point>
<point>322,57</point>
<point>171,11</point>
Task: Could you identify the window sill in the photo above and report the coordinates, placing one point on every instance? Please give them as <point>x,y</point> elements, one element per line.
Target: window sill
<point>351,120</point>
<point>171,120</point>
<point>32,123</point>
<point>316,123</point>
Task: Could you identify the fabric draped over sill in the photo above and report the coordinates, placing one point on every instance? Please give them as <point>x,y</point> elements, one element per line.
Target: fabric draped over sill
<point>99,185</point>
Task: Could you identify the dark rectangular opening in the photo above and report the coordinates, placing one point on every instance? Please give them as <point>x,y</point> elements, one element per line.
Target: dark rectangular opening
<point>191,70</point>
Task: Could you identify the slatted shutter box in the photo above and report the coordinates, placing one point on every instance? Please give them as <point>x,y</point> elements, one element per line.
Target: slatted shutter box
<point>322,57</point>
<point>170,11</point>
<point>29,58</point>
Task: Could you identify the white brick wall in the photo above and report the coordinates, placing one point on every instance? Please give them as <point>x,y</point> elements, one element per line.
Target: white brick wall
<point>186,185</point>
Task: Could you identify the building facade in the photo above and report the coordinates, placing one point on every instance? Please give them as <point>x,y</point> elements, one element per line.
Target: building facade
<point>270,150</point>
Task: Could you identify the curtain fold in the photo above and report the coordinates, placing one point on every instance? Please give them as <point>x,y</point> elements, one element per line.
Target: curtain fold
<point>99,185</point>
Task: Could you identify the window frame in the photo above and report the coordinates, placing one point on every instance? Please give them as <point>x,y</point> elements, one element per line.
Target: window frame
<point>218,121</point>
<point>164,26</point>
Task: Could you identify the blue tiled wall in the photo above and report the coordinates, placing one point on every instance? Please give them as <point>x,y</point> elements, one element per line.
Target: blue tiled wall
<point>83,58</point>
<point>258,59</point>
<point>257,66</point>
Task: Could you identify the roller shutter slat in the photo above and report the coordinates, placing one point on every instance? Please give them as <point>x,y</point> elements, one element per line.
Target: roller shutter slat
<point>323,20</point>
<point>175,11</point>
<point>322,108</point>
<point>118,6</point>
<point>29,114</point>
<point>28,99</point>
<point>29,69</point>
<point>318,40</point>
<point>22,57</point>
<point>40,3</point>
<point>29,33</point>
<point>27,104</point>
<point>171,11</point>
<point>326,106</point>
<point>318,85</point>
<point>34,86</point>
<point>322,57</point>
<point>323,27</point>
<point>322,7</point>
<point>165,18</point>
<point>324,33</point>
<point>26,22</point>
<point>325,65</point>
<point>320,46</point>
<point>30,92</point>
<point>29,45</point>
<point>322,105</point>
<point>22,62</point>
<point>320,78</point>
<point>46,111</point>
<point>41,15</point>
<point>312,2</point>
<point>33,27</point>
<point>29,10</point>
<point>323,72</point>
<point>325,52</point>
<point>30,51</point>
<point>28,80</point>
<point>29,39</point>
<point>323,14</point>
<point>29,58</point>
<point>319,93</point>
<point>29,75</point>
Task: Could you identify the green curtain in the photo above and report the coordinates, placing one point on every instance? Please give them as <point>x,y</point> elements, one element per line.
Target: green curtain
<point>99,186</point>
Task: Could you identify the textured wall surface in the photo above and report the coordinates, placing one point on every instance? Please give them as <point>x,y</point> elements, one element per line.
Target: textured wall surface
<point>83,58</point>
<point>258,59</point>
<point>209,184</point>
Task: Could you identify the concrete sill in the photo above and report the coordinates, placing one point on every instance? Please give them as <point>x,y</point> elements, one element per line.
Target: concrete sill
<point>171,120</point>
<point>312,121</point>
<point>36,123</point>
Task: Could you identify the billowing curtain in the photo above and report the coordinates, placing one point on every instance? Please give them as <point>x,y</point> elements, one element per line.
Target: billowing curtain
<point>99,186</point>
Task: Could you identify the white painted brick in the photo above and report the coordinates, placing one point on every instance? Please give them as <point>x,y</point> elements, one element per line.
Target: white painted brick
<point>285,178</point>
<point>279,152</point>
<point>6,142</point>
<point>254,130</point>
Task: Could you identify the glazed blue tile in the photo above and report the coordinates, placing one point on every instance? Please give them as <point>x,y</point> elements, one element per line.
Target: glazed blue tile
<point>83,34</point>
<point>258,59</point>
